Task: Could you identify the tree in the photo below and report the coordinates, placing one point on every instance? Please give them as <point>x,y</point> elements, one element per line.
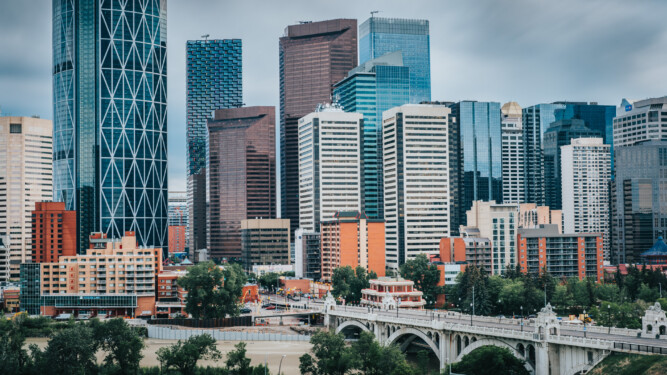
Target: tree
<point>213,292</point>
<point>426,277</point>
<point>70,352</point>
<point>237,363</point>
<point>647,293</point>
<point>122,344</point>
<point>348,283</point>
<point>490,360</point>
<point>332,356</point>
<point>561,298</point>
<point>375,359</point>
<point>269,281</point>
<point>13,358</point>
<point>184,355</point>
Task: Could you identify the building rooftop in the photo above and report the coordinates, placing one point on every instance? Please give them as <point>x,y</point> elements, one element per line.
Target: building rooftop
<point>551,230</point>
<point>659,248</point>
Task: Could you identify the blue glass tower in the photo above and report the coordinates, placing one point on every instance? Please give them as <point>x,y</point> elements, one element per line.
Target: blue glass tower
<point>481,151</point>
<point>379,36</point>
<point>213,74</point>
<point>370,89</point>
<point>110,116</point>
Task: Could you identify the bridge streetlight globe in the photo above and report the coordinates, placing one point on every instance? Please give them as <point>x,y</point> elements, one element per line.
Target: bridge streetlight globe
<point>609,317</point>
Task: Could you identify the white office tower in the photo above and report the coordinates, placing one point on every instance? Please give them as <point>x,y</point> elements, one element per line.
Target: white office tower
<point>415,142</point>
<point>640,120</point>
<point>26,177</point>
<point>513,161</point>
<point>586,172</point>
<point>329,165</point>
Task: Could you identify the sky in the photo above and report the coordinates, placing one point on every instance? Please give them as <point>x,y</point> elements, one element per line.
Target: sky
<point>529,51</point>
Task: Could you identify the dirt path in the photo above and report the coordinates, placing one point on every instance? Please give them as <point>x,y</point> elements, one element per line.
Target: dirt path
<point>258,351</point>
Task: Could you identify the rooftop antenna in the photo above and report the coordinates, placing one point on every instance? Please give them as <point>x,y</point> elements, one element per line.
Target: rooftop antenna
<point>373,12</point>
<point>304,22</point>
<point>205,36</point>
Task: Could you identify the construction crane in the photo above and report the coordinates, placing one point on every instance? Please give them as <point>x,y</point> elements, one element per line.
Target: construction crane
<point>205,36</point>
<point>373,12</point>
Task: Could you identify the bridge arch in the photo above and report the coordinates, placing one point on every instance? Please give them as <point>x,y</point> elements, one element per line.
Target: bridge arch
<point>351,323</point>
<point>415,332</point>
<point>492,342</point>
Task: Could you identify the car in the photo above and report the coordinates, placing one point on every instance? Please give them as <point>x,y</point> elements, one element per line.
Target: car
<point>270,307</point>
<point>245,310</point>
<point>531,316</point>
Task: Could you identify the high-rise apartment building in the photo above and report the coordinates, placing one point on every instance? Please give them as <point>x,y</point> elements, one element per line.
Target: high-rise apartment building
<point>379,36</point>
<point>330,165</point>
<point>178,221</point>
<point>639,203</point>
<point>53,232</point>
<point>481,150</point>
<point>416,180</point>
<point>26,172</point>
<point>560,133</point>
<point>352,239</point>
<point>308,257</point>
<point>513,161</point>
<point>313,57</point>
<point>536,120</point>
<point>497,222</point>
<point>639,121</point>
<point>586,173</point>
<point>265,242</point>
<point>242,174</point>
<point>370,89</point>
<point>214,81</point>
<point>110,117</point>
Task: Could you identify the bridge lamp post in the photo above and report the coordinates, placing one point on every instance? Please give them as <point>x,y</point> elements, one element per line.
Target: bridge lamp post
<point>521,318</point>
<point>471,312</point>
<point>584,323</point>
<point>609,317</point>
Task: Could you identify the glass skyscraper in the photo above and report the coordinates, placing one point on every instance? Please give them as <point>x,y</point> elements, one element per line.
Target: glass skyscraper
<point>379,36</point>
<point>481,149</point>
<point>536,121</point>
<point>110,116</point>
<point>214,81</point>
<point>371,89</point>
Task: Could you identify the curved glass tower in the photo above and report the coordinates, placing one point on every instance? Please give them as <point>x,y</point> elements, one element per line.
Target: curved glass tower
<point>110,116</point>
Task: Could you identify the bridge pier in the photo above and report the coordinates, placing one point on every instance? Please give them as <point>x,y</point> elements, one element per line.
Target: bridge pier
<point>443,346</point>
<point>541,358</point>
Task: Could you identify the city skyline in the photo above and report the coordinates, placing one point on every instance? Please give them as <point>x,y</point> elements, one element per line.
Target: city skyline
<point>575,57</point>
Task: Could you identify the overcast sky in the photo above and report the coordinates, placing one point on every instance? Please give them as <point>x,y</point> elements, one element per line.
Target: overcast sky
<point>529,51</point>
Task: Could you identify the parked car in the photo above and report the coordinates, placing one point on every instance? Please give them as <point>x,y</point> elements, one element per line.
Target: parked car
<point>245,310</point>
<point>270,307</point>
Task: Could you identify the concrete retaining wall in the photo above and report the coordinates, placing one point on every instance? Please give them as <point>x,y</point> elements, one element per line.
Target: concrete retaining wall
<point>167,333</point>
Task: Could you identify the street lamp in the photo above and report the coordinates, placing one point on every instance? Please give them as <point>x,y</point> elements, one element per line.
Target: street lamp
<point>521,318</point>
<point>609,316</point>
<point>584,323</point>
<point>471,311</point>
<point>281,363</point>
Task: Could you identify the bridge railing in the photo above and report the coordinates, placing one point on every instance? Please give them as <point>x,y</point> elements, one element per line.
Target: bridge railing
<point>640,348</point>
<point>580,341</point>
<point>604,330</point>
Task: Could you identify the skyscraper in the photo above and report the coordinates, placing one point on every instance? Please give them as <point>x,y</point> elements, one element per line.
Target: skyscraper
<point>481,150</point>
<point>639,204</point>
<point>370,89</point>
<point>586,172</point>
<point>379,36</point>
<point>597,117</point>
<point>110,117</point>
<point>242,174</point>
<point>214,81</point>
<point>416,180</point>
<point>513,162</point>
<point>536,120</point>
<point>313,57</point>
<point>640,121</point>
<point>560,133</point>
<point>330,165</point>
<point>25,179</point>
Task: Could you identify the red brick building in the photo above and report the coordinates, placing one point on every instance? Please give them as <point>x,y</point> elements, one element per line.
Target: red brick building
<point>53,232</point>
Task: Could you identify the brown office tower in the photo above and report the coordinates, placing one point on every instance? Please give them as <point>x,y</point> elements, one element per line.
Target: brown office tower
<point>242,172</point>
<point>53,232</point>
<point>313,57</point>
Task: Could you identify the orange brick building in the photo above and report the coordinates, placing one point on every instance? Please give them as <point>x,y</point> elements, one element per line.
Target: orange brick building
<point>53,232</point>
<point>351,239</point>
<point>177,238</point>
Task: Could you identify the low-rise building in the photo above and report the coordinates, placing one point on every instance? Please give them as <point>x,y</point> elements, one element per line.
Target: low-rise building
<point>308,254</point>
<point>402,291</point>
<point>563,255</point>
<point>474,251</point>
<point>10,298</point>
<point>657,254</point>
<point>261,270</point>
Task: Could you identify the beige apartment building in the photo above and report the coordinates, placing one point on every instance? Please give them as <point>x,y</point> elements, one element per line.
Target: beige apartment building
<point>26,175</point>
<point>112,267</point>
<point>531,216</point>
